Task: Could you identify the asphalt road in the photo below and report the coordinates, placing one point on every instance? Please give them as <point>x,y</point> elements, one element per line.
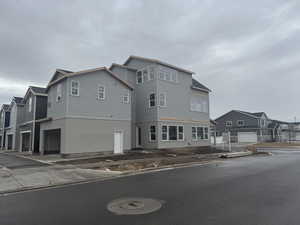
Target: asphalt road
<point>14,162</point>
<point>244,191</point>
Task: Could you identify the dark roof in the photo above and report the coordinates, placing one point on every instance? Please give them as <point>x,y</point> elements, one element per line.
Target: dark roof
<point>158,62</point>
<point>38,90</point>
<point>18,100</point>
<point>5,107</point>
<point>258,114</point>
<point>197,84</point>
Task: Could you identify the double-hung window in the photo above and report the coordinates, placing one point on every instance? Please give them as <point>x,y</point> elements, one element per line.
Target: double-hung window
<point>30,104</point>
<point>152,102</point>
<point>164,132</point>
<point>101,92</point>
<point>145,75</point>
<point>240,123</point>
<point>180,133</point>
<point>174,76</point>
<point>194,133</point>
<point>126,98</point>
<point>228,123</point>
<point>162,99</point>
<point>200,133</point>
<point>151,73</point>
<point>152,133</point>
<point>58,92</point>
<point>75,88</point>
<point>139,77</point>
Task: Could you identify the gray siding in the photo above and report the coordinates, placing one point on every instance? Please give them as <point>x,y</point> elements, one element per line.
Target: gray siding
<point>57,109</point>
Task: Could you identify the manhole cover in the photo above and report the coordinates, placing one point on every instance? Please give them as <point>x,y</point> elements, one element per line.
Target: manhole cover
<point>134,206</point>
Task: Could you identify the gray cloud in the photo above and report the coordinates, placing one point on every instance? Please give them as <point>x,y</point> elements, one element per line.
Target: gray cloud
<point>247,52</point>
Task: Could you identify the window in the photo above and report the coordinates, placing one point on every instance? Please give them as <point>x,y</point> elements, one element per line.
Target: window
<point>172,133</point>
<point>180,133</point>
<point>139,77</point>
<point>145,75</point>
<point>30,104</point>
<point>101,92</point>
<point>199,133</point>
<point>168,75</point>
<point>240,123</point>
<point>151,73</point>
<point>161,75</point>
<point>58,92</point>
<point>152,133</point>
<point>126,98</point>
<point>164,133</point>
<point>198,104</point>
<point>194,133</point>
<point>152,100</point>
<point>228,123</point>
<point>174,76</point>
<point>74,88</point>
<point>162,99</point>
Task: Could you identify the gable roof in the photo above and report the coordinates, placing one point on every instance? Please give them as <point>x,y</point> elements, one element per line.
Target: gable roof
<point>18,100</point>
<point>253,115</point>
<point>197,85</point>
<point>121,66</point>
<point>38,90</point>
<point>5,107</point>
<point>158,62</point>
<point>71,74</point>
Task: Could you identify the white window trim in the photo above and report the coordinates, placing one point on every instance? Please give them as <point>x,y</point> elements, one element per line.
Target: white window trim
<point>150,140</point>
<point>162,132</point>
<point>128,98</point>
<point>237,123</point>
<point>200,139</point>
<point>165,99</point>
<point>228,121</point>
<point>30,104</point>
<point>142,77</point>
<point>178,133</point>
<point>78,88</point>
<point>104,92</point>
<point>155,100</point>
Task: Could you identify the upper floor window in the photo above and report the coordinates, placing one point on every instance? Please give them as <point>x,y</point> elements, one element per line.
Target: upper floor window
<point>151,73</point>
<point>168,75</point>
<point>240,123</point>
<point>30,104</point>
<point>228,123</point>
<point>126,98</point>
<point>152,100</point>
<point>58,92</point>
<point>101,92</point>
<point>198,104</point>
<point>75,88</point>
<point>152,133</point>
<point>162,99</point>
<point>139,77</point>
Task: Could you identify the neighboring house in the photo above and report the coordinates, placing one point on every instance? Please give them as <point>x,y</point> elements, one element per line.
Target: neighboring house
<point>4,123</point>
<point>288,131</point>
<point>88,111</point>
<point>35,108</point>
<point>245,126</point>
<point>170,108</point>
<point>16,113</point>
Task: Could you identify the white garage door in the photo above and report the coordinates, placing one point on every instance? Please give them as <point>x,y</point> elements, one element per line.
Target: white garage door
<point>247,137</point>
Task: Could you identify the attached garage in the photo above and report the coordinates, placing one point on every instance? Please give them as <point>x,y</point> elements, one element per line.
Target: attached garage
<point>52,141</point>
<point>247,137</point>
<point>10,141</point>
<point>25,141</point>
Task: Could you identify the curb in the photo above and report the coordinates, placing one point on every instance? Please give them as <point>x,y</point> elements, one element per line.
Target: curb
<point>236,154</point>
<point>121,175</point>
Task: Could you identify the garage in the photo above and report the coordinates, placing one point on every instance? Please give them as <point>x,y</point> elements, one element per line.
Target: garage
<point>25,141</point>
<point>9,141</point>
<point>52,141</point>
<point>247,137</point>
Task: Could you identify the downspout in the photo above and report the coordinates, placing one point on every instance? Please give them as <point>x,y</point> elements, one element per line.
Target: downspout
<point>33,124</point>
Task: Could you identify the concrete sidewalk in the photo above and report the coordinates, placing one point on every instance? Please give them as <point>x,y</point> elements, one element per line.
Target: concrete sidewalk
<point>35,177</point>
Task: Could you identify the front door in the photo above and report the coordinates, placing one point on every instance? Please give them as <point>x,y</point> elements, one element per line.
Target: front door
<point>9,142</point>
<point>26,142</point>
<point>118,142</point>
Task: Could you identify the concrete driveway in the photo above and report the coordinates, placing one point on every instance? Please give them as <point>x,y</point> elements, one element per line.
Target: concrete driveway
<point>11,161</point>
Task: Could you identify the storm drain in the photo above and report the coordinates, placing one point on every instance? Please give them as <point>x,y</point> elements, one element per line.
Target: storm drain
<point>134,206</point>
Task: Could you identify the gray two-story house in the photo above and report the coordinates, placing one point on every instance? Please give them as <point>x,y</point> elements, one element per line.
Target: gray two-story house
<point>170,108</point>
<point>87,111</point>
<point>12,131</point>
<point>34,109</point>
<point>246,126</point>
<point>4,123</point>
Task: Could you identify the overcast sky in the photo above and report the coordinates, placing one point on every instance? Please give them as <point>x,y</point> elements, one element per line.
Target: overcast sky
<point>246,52</point>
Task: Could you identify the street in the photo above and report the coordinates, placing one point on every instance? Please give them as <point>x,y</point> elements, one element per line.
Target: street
<point>261,190</point>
